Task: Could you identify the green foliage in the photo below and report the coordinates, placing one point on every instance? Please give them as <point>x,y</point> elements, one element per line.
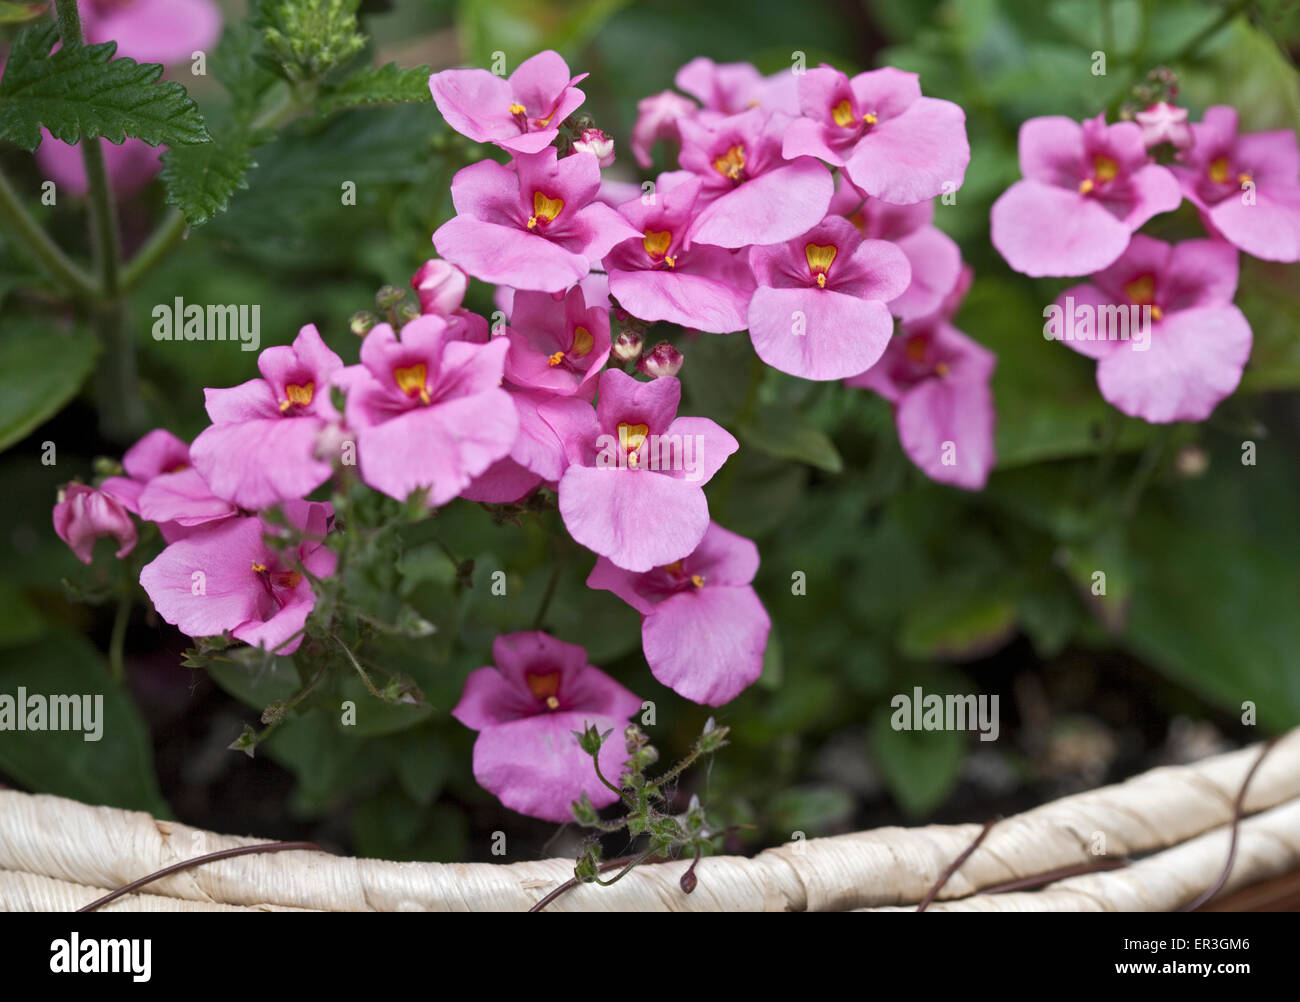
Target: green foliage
<point>387,84</point>
<point>81,91</point>
<point>311,37</point>
<point>40,371</point>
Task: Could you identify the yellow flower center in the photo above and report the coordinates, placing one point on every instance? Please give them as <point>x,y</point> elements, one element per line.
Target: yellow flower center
<point>545,687</point>
<point>517,109</point>
<point>544,209</point>
<point>582,343</point>
<point>411,381</point>
<point>1141,290</point>
<point>297,396</point>
<point>1219,170</point>
<point>870,118</point>
<point>731,163</point>
<point>819,260</point>
<point>656,242</point>
<point>630,439</point>
<point>555,359</point>
<point>843,114</point>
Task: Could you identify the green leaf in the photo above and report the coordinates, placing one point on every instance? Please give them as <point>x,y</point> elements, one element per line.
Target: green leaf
<point>784,434</point>
<point>41,369</point>
<point>388,84</point>
<point>201,179</point>
<point>20,622</point>
<point>813,810</point>
<point>117,769</point>
<point>920,767</point>
<point>956,623</point>
<point>13,13</point>
<point>81,91</point>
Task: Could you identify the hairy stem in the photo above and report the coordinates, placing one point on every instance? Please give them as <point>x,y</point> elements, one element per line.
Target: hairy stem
<point>72,277</point>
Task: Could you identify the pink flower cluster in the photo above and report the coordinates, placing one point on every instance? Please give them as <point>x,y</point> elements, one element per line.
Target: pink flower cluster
<point>802,212</point>
<point>1088,187</point>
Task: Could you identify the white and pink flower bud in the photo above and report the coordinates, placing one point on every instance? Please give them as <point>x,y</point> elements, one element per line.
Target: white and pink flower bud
<point>441,286</point>
<point>1165,123</point>
<point>599,145</point>
<point>84,514</point>
<point>661,360</point>
<point>627,346</point>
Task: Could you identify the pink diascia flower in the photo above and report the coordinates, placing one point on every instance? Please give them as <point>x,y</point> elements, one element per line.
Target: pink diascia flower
<point>521,113</point>
<point>440,287</point>
<point>228,579</point>
<point>428,410</point>
<point>657,276</point>
<point>1197,343</point>
<point>1245,187</point>
<point>83,514</point>
<point>820,308</point>
<point>703,629</point>
<point>536,227</point>
<point>753,194</point>
<point>261,446</point>
<point>934,257</point>
<point>1164,123</point>
<point>656,118</point>
<point>161,486</point>
<point>559,347</point>
<point>633,489</point>
<point>937,378</point>
<point>148,31</point>
<point>893,143</point>
<point>730,88</point>
<point>536,457</point>
<point>1086,188</point>
<point>527,709</point>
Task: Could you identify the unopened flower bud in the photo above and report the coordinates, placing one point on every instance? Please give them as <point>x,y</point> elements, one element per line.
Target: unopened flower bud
<point>628,345</point>
<point>661,360</point>
<point>599,145</point>
<point>440,286</point>
<point>83,514</point>
<point>407,312</point>
<point>361,322</point>
<point>389,296</point>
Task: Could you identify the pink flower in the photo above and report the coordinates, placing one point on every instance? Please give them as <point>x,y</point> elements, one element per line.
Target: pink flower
<point>934,257</point>
<point>536,457</point>
<point>1245,187</point>
<point>440,287</point>
<point>703,629</point>
<point>1164,123</point>
<point>599,145</point>
<point>633,489</point>
<point>428,410</point>
<point>83,514</point>
<point>730,88</point>
<point>521,114</point>
<point>261,446</point>
<point>1086,189</point>
<point>557,347</point>
<point>753,194</point>
<point>161,486</point>
<point>1196,342</point>
<point>537,227</point>
<point>893,143</point>
<point>527,709</point>
<point>657,276</point>
<point>227,578</point>
<point>820,309</point>
<point>148,31</point>
<point>656,118</point>
<point>937,378</point>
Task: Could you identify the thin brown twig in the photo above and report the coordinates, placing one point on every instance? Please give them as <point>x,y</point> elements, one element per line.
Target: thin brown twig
<point>1207,895</point>
<point>1052,876</point>
<point>955,866</point>
<point>243,850</point>
<point>573,882</point>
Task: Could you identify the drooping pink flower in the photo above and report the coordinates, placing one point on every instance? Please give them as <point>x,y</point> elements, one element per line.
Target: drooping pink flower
<point>633,489</point>
<point>703,629</point>
<point>934,256</point>
<point>820,308</point>
<point>1193,344</point>
<point>893,143</point>
<point>730,88</point>
<point>536,227</point>
<point>428,409</point>
<point>657,276</point>
<point>937,378</point>
<point>656,118</point>
<point>559,347</point>
<point>148,31</point>
<point>261,445</point>
<point>1246,187</point>
<point>83,514</point>
<point>527,708</point>
<point>228,578</point>
<point>754,195</point>
<point>1086,189</point>
<point>1164,123</point>
<point>161,486</point>
<point>521,113</point>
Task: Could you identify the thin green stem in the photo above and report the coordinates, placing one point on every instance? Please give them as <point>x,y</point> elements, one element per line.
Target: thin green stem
<point>152,251</point>
<point>549,594</point>
<point>1145,469</point>
<point>595,761</point>
<point>360,671</point>
<point>117,641</point>
<point>676,770</point>
<point>71,276</point>
<point>627,869</point>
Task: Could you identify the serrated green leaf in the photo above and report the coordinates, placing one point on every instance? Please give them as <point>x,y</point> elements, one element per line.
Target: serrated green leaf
<point>40,370</point>
<point>201,179</point>
<point>81,91</point>
<point>388,84</point>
